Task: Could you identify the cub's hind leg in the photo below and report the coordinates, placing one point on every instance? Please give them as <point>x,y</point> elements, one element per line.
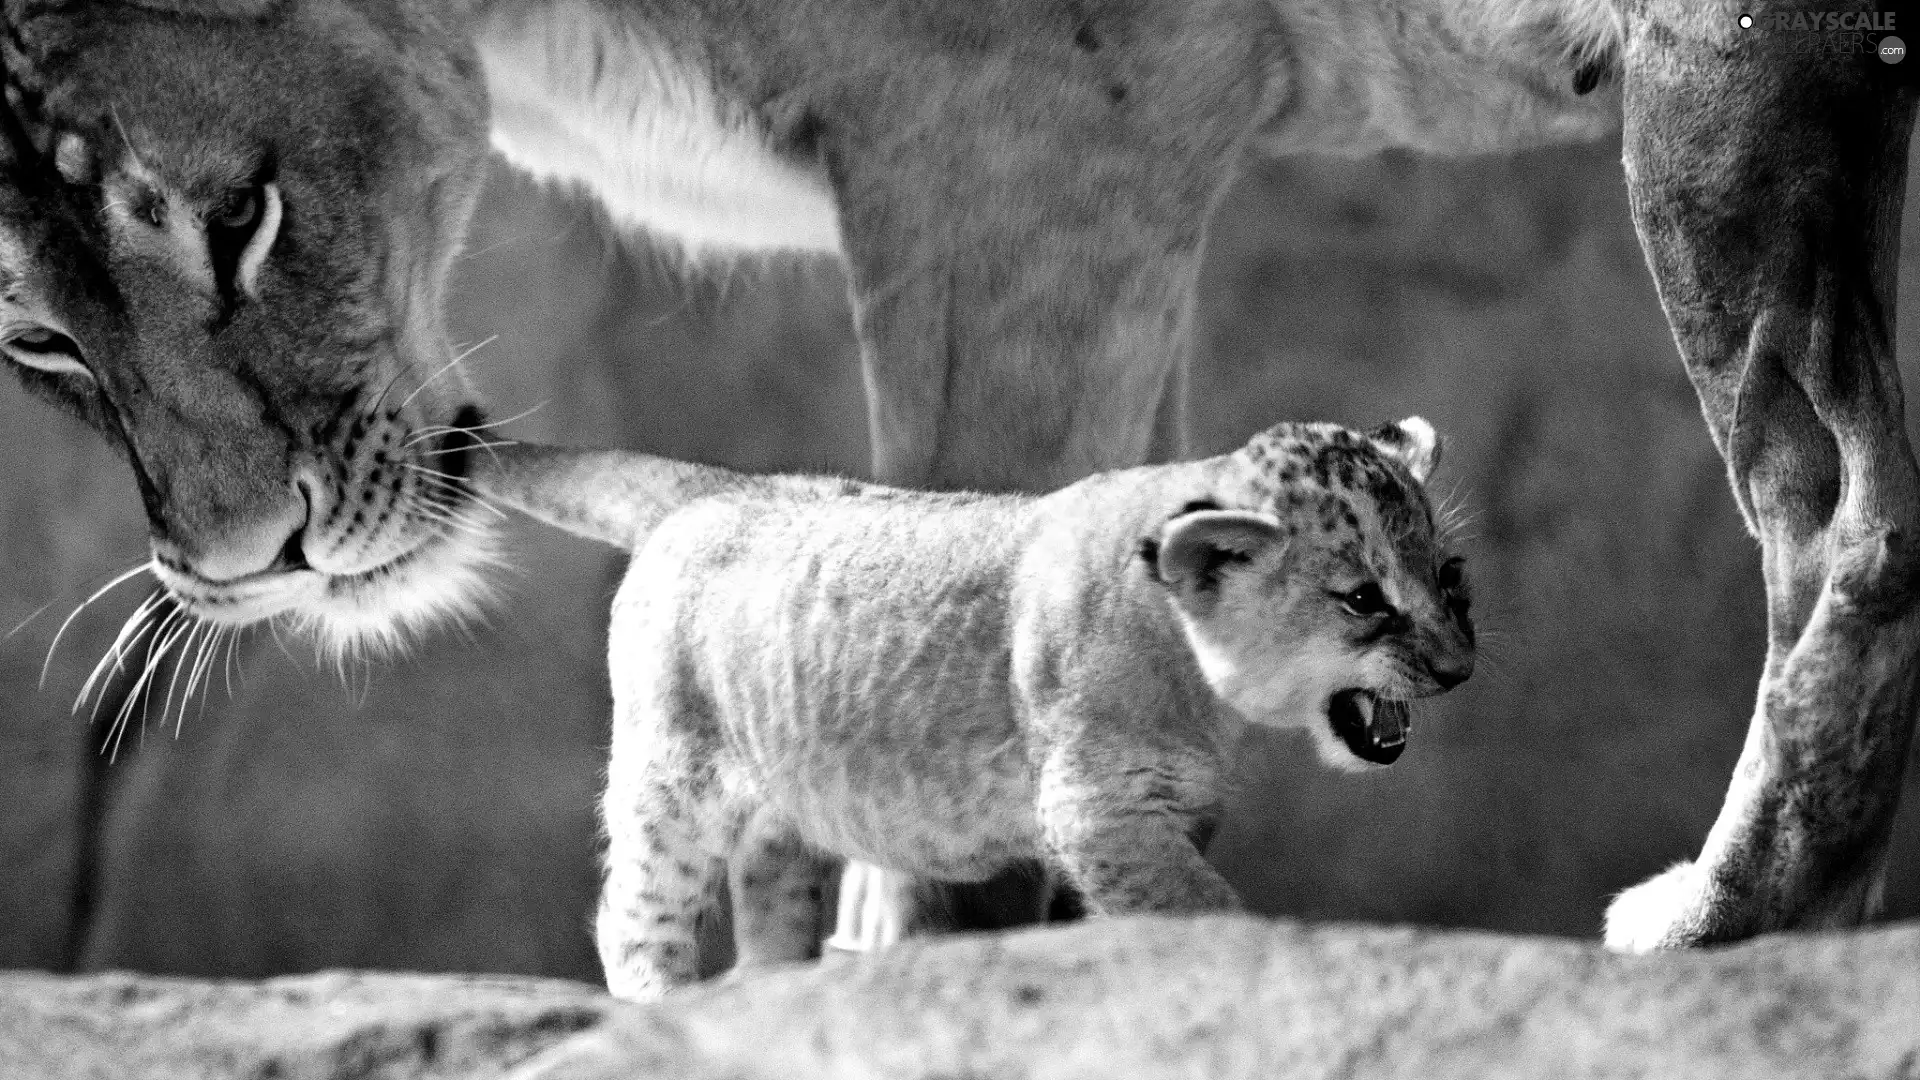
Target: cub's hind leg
<point>778,883</point>
<point>668,835</point>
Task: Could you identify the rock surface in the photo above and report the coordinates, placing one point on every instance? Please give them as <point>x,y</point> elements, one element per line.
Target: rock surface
<point>1222,999</point>
<point>331,1026</point>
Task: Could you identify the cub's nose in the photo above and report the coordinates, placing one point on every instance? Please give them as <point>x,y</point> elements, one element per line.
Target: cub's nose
<point>268,544</point>
<point>1451,672</point>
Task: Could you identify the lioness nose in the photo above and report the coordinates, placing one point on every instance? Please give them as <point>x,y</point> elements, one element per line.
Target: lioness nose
<point>1450,673</point>
<point>268,544</point>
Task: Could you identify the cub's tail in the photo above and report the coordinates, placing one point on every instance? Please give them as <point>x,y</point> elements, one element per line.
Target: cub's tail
<point>614,496</point>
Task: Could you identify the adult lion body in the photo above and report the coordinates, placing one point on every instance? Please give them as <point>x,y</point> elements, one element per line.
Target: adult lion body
<point>230,221</point>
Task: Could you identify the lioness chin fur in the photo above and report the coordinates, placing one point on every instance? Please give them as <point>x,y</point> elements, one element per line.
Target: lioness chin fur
<point>948,685</point>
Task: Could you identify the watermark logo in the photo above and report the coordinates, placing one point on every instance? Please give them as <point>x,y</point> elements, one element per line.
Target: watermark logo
<point>1857,33</point>
<point>1827,22</point>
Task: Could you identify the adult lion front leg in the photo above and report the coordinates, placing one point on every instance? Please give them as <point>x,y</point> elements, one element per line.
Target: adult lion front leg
<point>1766,183</point>
<point>1023,293</point>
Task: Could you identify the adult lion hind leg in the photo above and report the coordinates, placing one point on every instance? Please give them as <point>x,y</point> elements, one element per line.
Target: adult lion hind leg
<point>1013,395</point>
<point>1023,292</point>
<point>1766,185</point>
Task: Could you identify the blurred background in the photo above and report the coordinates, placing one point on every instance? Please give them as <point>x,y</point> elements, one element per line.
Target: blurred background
<point>437,812</point>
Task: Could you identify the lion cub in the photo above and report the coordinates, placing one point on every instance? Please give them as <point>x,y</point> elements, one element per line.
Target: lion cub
<point>806,669</point>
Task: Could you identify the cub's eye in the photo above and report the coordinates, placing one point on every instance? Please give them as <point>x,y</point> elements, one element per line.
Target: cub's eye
<point>1452,575</point>
<point>1366,601</point>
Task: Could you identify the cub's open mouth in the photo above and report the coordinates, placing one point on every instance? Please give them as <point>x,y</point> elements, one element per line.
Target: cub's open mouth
<point>1374,728</point>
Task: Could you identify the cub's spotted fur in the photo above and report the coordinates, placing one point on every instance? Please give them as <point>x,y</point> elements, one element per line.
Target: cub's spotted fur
<point>807,668</point>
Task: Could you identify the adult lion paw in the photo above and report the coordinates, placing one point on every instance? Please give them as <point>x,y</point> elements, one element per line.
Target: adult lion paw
<point>1658,913</point>
<point>876,910</point>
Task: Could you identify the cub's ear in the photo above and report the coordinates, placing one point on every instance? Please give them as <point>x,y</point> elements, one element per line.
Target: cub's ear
<point>1412,442</point>
<point>1195,548</point>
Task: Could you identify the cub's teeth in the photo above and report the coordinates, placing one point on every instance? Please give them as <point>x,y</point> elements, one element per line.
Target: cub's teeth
<point>1389,724</point>
<point>1364,703</point>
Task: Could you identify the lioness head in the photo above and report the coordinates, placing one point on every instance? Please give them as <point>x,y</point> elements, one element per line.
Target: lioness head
<point>224,231</point>
<point>1314,587</point>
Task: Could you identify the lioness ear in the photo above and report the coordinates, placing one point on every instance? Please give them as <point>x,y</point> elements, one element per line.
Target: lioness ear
<point>1413,442</point>
<point>1196,548</point>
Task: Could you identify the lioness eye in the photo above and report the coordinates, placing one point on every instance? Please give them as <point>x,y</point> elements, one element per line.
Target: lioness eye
<point>1366,601</point>
<point>241,230</point>
<point>44,350</point>
<point>240,209</point>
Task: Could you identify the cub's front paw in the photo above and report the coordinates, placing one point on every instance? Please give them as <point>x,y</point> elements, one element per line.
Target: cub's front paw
<point>1164,893</point>
<point>1209,894</point>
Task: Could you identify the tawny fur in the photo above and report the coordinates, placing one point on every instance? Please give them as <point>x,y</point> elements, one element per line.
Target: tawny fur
<point>949,685</point>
